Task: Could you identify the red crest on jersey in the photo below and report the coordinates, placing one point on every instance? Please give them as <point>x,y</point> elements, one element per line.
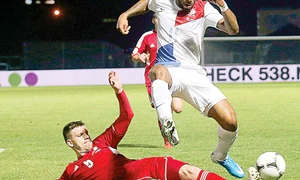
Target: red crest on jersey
<point>196,12</point>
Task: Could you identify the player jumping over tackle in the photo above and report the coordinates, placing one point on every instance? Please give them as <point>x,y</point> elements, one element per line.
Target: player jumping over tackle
<point>177,73</point>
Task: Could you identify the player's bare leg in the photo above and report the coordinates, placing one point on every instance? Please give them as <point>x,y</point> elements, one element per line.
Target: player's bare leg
<point>176,105</point>
<point>224,114</point>
<point>162,99</point>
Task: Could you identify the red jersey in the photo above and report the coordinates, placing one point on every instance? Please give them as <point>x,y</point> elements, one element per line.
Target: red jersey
<point>104,161</point>
<point>147,44</point>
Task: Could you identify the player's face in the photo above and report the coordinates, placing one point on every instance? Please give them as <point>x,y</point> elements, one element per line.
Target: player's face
<point>81,139</point>
<point>186,5</point>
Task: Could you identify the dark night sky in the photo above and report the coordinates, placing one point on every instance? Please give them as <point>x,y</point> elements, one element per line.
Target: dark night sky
<point>83,20</point>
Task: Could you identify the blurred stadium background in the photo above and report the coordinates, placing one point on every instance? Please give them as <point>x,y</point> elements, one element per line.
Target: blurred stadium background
<point>77,34</point>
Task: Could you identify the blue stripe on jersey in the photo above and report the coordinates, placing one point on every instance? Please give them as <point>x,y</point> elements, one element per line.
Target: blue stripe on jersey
<point>165,56</point>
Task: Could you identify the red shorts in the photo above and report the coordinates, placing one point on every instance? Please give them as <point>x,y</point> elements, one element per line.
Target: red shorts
<point>153,168</point>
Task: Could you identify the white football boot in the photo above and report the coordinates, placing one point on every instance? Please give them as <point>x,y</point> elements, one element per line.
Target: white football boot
<point>253,174</point>
<point>169,131</point>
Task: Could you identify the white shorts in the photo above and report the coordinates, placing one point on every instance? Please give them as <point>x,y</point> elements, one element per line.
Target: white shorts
<point>193,86</point>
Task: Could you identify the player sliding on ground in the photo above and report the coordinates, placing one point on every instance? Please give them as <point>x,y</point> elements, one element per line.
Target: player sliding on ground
<point>100,159</point>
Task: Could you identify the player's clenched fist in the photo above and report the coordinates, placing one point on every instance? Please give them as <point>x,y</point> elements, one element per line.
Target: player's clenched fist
<point>114,81</point>
<point>139,8</point>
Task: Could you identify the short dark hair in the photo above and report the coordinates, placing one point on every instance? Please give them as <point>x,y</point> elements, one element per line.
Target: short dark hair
<point>69,128</point>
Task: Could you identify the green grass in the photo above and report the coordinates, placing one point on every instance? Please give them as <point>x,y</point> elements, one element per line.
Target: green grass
<point>32,119</point>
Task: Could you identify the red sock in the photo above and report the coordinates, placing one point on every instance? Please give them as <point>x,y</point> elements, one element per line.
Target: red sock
<point>205,175</point>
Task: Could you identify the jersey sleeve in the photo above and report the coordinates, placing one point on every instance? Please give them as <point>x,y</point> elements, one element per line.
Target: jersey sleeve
<point>212,16</point>
<point>65,175</point>
<point>114,134</point>
<point>140,46</point>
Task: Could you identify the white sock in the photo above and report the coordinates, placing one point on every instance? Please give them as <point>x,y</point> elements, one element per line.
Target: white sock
<point>162,99</point>
<point>226,139</point>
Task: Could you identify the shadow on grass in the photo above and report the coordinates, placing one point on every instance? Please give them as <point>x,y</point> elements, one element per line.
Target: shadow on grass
<point>138,146</point>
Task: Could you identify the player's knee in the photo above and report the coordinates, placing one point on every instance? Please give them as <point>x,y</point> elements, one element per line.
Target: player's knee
<point>176,105</point>
<point>159,72</point>
<point>231,127</point>
<point>230,121</point>
<point>177,109</point>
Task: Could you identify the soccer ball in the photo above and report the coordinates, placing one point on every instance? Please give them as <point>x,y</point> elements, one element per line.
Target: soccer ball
<point>270,165</point>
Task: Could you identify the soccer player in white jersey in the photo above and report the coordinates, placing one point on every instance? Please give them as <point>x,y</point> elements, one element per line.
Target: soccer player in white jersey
<point>177,73</point>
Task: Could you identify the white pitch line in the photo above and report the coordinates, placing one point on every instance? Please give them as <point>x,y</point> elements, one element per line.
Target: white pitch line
<point>1,150</point>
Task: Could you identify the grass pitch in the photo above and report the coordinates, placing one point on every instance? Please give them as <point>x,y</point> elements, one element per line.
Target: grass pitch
<point>32,119</point>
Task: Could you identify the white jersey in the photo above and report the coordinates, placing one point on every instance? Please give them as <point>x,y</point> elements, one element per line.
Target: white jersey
<point>180,33</point>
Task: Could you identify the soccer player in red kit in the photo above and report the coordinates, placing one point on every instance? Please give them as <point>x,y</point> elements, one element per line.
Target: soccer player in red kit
<point>145,52</point>
<point>100,160</point>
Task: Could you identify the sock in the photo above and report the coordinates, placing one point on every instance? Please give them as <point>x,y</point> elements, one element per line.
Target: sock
<point>226,139</point>
<point>205,175</point>
<point>162,99</point>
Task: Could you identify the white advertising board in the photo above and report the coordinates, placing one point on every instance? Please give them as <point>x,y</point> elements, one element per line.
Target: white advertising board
<point>217,74</point>
<point>254,73</point>
<point>69,77</point>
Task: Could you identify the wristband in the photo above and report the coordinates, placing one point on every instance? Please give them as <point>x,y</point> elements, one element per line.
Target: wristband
<point>224,7</point>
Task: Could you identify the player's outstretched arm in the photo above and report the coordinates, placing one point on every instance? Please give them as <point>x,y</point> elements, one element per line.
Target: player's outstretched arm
<point>114,133</point>
<point>138,8</point>
<point>126,114</point>
<point>229,24</point>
